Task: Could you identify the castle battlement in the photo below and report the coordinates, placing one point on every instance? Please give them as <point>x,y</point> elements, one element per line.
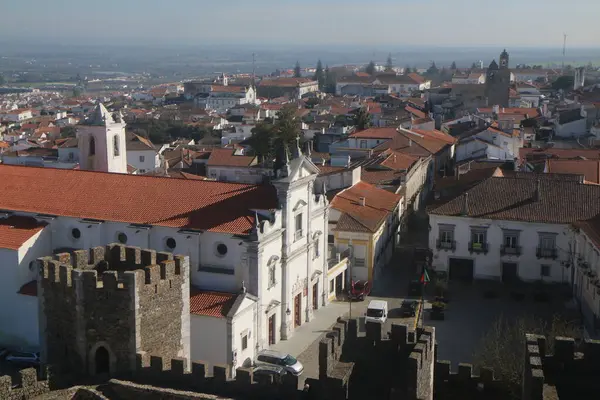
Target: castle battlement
<point>27,385</point>
<point>112,267</point>
<point>199,377</point>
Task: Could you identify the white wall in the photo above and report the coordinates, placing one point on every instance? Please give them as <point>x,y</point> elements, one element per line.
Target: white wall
<point>244,324</point>
<point>575,128</point>
<point>151,159</point>
<point>19,321</point>
<point>209,339</point>
<point>489,266</point>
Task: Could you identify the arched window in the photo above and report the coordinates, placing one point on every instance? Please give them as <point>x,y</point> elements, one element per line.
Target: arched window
<point>116,145</point>
<point>92,146</point>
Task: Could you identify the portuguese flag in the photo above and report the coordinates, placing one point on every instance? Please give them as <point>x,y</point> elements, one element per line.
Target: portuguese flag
<point>425,277</point>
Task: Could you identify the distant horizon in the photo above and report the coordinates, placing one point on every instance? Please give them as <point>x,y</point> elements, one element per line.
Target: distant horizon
<point>390,23</point>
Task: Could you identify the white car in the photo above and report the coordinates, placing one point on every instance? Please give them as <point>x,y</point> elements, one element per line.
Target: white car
<point>377,311</point>
<point>286,361</point>
<point>23,358</point>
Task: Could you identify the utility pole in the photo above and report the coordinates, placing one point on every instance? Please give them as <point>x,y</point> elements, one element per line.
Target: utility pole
<point>350,257</point>
<point>253,70</point>
<point>564,52</point>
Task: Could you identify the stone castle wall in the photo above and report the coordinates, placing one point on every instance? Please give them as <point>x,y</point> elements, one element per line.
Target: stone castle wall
<point>122,299</point>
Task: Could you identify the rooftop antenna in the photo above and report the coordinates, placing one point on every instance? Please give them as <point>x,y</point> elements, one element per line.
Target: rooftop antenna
<point>253,69</point>
<point>564,52</point>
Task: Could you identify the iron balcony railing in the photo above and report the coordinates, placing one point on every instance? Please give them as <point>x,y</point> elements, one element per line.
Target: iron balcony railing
<point>475,247</point>
<point>446,245</point>
<point>542,252</point>
<point>510,250</point>
<point>334,257</point>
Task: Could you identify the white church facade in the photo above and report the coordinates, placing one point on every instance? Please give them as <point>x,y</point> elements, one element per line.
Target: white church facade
<point>266,241</point>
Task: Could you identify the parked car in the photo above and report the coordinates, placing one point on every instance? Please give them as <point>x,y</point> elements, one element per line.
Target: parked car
<point>359,290</point>
<point>408,308</point>
<point>23,358</point>
<point>270,370</point>
<point>377,311</point>
<point>286,361</point>
<point>3,352</point>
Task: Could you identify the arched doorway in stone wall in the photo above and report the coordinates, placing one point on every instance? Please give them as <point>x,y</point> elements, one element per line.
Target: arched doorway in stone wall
<point>102,361</point>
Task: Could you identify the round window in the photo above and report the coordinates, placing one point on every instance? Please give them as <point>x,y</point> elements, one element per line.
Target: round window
<point>221,249</point>
<point>76,233</point>
<point>171,243</point>
<point>122,238</point>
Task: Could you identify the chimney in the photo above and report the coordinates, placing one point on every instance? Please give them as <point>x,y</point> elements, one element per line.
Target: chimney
<point>496,109</point>
<point>465,210</point>
<point>362,201</point>
<point>409,142</point>
<point>536,194</point>
<point>348,162</point>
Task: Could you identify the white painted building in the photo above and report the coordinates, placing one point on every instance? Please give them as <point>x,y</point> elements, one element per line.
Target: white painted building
<point>17,115</point>
<point>492,144</point>
<point>510,228</point>
<point>141,154</point>
<point>268,239</point>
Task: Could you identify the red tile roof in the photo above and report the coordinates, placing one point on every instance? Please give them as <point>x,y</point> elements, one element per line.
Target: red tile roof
<point>178,203</point>
<point>227,89</point>
<point>285,82</point>
<point>211,304</point>
<point>590,169</point>
<point>375,133</point>
<point>416,77</point>
<point>399,161</point>
<point>14,231</point>
<point>415,112</point>
<point>530,153</point>
<point>226,158</point>
<point>591,227</point>
<point>29,289</point>
<point>379,204</point>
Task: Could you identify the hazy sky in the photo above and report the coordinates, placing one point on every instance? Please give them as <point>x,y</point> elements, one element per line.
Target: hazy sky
<point>507,23</point>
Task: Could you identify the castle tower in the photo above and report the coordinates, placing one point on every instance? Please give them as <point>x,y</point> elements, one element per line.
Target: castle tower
<point>99,308</point>
<point>225,79</point>
<point>102,142</point>
<point>497,83</point>
<point>504,59</point>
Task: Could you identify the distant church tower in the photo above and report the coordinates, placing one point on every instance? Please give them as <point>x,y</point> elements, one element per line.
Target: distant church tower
<point>498,82</point>
<point>102,142</point>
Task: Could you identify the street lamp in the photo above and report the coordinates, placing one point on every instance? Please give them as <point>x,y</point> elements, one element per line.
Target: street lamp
<point>288,312</point>
<point>350,255</point>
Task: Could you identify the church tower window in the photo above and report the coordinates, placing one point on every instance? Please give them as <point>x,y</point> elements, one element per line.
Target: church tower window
<point>92,146</point>
<point>116,145</point>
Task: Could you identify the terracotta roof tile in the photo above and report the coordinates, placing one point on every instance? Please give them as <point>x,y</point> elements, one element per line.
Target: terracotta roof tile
<point>211,304</point>
<point>375,133</point>
<point>15,231</point>
<point>399,161</point>
<point>590,169</point>
<point>29,289</point>
<point>379,204</point>
<point>558,201</point>
<point>591,227</point>
<point>415,112</point>
<point>226,158</point>
<point>285,82</point>
<point>189,204</point>
<point>530,154</point>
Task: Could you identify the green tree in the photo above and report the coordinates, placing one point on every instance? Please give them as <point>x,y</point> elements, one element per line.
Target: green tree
<point>453,66</point>
<point>297,70</point>
<point>370,68</point>
<point>407,69</point>
<point>474,66</point>
<point>362,119</point>
<point>68,132</point>
<point>312,102</point>
<point>2,80</point>
<point>433,69</point>
<point>270,139</point>
<point>502,348</point>
<point>76,92</point>
<point>262,141</point>
<point>389,66</point>
<point>320,75</point>
<point>330,80</point>
<point>564,82</point>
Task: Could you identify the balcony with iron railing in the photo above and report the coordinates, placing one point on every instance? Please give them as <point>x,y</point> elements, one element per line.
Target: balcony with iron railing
<point>446,244</point>
<point>510,250</point>
<point>476,247</point>
<point>542,252</point>
<point>334,257</point>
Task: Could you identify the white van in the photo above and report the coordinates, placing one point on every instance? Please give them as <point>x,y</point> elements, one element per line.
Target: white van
<point>377,311</point>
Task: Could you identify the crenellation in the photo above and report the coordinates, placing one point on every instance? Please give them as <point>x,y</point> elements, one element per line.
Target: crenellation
<point>182,263</point>
<point>65,274</point>
<point>26,386</point>
<point>465,372</point>
<point>110,280</point>
<point>133,257</point>
<point>163,256</point>
<point>80,259</point>
<point>53,270</point>
<point>564,349</point>
<point>148,257</point>
<point>152,274</point>
<point>167,269</point>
